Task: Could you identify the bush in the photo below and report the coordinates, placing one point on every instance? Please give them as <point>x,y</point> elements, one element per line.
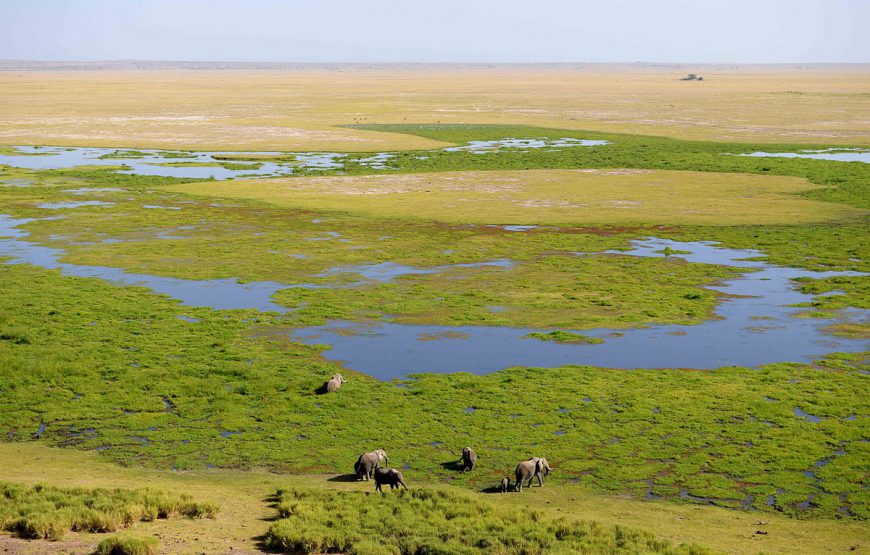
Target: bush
<point>47,512</point>
<point>436,522</point>
<point>128,545</point>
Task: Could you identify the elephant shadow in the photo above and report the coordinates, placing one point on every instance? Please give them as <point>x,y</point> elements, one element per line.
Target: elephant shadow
<point>491,489</point>
<point>452,465</point>
<point>497,489</point>
<point>343,478</point>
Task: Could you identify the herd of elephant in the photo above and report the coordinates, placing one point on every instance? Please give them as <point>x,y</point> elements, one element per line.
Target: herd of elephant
<point>368,465</point>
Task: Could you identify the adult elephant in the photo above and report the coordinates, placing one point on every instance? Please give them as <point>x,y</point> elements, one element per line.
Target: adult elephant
<point>536,467</point>
<point>469,459</point>
<point>389,476</point>
<point>368,462</point>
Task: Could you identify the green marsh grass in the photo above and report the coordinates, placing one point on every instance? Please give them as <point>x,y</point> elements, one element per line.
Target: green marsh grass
<point>680,429</point>
<point>438,522</point>
<point>560,336</point>
<point>47,512</point>
<point>114,369</point>
<point>128,544</point>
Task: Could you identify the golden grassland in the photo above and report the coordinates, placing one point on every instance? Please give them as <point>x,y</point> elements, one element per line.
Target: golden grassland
<point>549,197</point>
<point>245,512</point>
<point>300,109</point>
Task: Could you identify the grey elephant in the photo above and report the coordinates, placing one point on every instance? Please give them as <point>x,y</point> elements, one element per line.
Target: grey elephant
<point>334,383</point>
<point>536,467</point>
<point>368,463</point>
<point>389,476</point>
<point>505,484</point>
<point>469,459</point>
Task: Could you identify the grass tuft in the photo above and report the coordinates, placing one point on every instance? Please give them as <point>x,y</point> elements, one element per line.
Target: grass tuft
<point>438,522</point>
<point>126,544</point>
<point>48,512</point>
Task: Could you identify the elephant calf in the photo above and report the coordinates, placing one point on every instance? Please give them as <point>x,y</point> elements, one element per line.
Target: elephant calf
<point>368,463</point>
<point>536,467</point>
<point>469,459</point>
<point>389,476</point>
<point>333,384</point>
<point>505,483</point>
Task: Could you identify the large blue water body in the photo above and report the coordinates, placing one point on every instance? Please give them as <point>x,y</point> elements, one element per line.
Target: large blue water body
<point>758,327</point>
<point>755,328</point>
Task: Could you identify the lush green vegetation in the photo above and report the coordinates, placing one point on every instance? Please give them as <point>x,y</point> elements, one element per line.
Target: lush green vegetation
<point>127,544</point>
<point>563,290</point>
<point>436,522</point>
<point>48,512</point>
<point>114,369</point>
<point>561,336</point>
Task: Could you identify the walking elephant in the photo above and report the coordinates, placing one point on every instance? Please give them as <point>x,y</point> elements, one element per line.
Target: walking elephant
<point>536,467</point>
<point>389,476</point>
<point>368,462</point>
<point>504,485</point>
<point>469,459</point>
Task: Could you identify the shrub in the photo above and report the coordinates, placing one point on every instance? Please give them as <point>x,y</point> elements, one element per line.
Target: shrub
<point>48,512</point>
<point>128,545</point>
<point>437,522</point>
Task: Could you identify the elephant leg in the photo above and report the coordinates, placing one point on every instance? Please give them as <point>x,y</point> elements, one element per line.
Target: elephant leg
<point>540,480</point>
<point>378,487</point>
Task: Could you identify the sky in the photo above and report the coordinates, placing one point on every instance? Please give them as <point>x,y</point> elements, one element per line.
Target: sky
<point>370,31</point>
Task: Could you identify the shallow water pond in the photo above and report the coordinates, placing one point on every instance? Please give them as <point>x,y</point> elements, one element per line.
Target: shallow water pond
<point>234,165</point>
<point>483,147</point>
<point>217,293</point>
<point>835,154</point>
<point>388,350</point>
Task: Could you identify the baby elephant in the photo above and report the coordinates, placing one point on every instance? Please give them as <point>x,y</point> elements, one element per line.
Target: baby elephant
<point>368,462</point>
<point>469,459</point>
<point>389,476</point>
<point>333,384</point>
<point>505,482</point>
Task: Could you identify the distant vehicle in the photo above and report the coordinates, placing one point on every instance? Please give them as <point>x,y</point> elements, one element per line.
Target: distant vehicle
<point>692,77</point>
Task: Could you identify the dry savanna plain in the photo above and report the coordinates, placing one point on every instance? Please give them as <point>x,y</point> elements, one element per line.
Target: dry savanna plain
<point>592,265</point>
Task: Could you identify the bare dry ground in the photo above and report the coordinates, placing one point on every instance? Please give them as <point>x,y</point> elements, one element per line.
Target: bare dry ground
<point>298,108</point>
<point>246,513</point>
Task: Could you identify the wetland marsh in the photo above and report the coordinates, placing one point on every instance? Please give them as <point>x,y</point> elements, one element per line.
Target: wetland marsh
<point>666,320</point>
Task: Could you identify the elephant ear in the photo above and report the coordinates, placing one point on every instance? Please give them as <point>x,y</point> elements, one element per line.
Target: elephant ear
<point>538,466</point>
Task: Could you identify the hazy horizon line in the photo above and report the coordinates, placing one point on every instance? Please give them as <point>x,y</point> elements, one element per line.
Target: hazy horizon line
<point>415,62</point>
